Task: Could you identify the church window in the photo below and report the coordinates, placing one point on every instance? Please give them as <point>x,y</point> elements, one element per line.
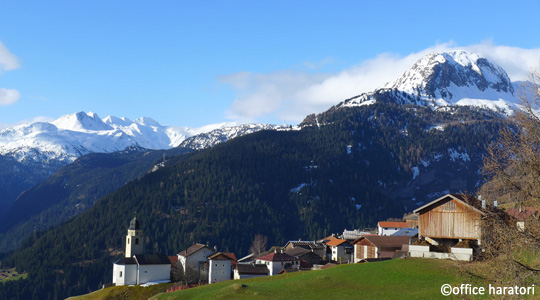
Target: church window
<point>120,274</point>
<point>128,240</point>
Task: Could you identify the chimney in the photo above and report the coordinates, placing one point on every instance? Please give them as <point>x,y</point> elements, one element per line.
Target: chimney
<point>275,251</point>
<point>282,251</point>
<point>483,204</point>
<point>215,248</point>
<point>495,203</point>
<point>299,239</point>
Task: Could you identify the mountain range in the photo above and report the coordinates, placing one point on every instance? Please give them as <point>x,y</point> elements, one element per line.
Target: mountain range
<point>34,151</point>
<point>371,157</point>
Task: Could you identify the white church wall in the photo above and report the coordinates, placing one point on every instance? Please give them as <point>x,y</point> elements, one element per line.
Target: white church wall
<point>150,273</point>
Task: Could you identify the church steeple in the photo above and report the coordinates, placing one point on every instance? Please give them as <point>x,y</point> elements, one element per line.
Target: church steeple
<point>134,238</point>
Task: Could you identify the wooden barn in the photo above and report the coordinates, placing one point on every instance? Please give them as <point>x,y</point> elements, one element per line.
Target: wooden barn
<point>451,218</point>
<point>374,246</point>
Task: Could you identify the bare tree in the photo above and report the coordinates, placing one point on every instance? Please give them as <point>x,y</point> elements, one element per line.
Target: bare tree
<point>513,163</point>
<point>260,242</point>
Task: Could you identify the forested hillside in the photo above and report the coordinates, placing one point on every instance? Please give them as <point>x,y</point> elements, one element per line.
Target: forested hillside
<point>74,188</point>
<point>346,168</point>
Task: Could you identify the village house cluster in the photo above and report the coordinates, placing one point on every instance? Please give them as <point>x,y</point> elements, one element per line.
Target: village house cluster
<point>446,228</point>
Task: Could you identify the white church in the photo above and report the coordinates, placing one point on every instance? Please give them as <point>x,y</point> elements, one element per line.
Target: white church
<point>136,267</point>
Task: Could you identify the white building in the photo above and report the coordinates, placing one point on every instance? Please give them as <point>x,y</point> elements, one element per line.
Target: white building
<point>193,261</point>
<point>243,271</point>
<point>341,251</point>
<point>136,267</point>
<point>389,228</point>
<point>220,267</point>
<point>279,261</point>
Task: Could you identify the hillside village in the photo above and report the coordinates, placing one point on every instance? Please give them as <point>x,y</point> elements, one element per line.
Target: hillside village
<point>446,228</point>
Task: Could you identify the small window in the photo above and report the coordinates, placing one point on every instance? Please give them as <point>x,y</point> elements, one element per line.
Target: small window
<point>120,274</point>
<point>128,240</point>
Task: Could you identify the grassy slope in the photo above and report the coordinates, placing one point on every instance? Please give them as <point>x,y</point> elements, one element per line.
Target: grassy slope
<point>124,293</point>
<point>395,279</point>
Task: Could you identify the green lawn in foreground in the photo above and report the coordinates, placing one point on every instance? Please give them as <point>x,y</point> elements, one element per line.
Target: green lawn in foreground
<point>394,279</point>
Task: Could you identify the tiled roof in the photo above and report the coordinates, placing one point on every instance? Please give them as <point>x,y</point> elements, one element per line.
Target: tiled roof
<point>126,261</point>
<point>522,213</point>
<point>336,242</point>
<point>174,260</point>
<point>393,224</point>
<point>328,238</point>
<point>220,256</point>
<point>298,251</point>
<point>278,257</point>
<point>194,248</point>
<point>152,259</point>
<point>252,269</point>
<point>306,244</point>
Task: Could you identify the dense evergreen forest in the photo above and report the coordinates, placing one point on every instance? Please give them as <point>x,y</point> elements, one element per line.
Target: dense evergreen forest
<point>282,184</point>
<point>75,188</point>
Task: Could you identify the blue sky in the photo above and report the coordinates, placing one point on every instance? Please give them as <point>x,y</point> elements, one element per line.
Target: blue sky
<point>191,63</point>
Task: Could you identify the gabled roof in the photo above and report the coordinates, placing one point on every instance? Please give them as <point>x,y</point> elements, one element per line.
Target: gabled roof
<point>194,248</point>
<point>278,257</point>
<point>327,239</point>
<point>306,244</point>
<point>220,256</point>
<point>298,251</point>
<point>252,269</point>
<point>467,200</point>
<point>411,216</point>
<point>393,224</point>
<point>152,259</point>
<point>336,242</point>
<point>231,255</point>
<point>387,241</point>
<point>522,213</point>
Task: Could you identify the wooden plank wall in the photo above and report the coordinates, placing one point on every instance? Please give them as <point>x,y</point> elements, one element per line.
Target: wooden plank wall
<point>450,219</point>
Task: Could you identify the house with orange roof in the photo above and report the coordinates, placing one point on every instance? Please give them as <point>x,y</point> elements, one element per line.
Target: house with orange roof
<point>340,250</point>
<point>389,228</point>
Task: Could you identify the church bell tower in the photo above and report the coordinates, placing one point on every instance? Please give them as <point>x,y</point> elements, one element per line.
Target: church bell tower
<point>134,239</point>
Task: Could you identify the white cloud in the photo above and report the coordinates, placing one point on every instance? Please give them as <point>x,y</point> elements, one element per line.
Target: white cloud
<point>8,96</point>
<point>26,121</point>
<point>8,61</point>
<point>290,95</point>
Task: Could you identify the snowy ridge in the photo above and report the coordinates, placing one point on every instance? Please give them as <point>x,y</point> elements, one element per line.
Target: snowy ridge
<point>71,136</point>
<point>220,135</point>
<point>446,79</point>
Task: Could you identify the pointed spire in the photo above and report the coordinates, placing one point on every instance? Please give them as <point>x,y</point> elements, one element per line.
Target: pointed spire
<point>134,224</point>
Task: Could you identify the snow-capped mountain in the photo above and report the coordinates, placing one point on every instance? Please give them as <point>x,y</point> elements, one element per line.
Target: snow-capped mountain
<point>71,136</point>
<point>220,135</point>
<point>448,78</point>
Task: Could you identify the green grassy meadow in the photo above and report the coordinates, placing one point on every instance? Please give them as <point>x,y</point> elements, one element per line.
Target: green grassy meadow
<point>394,279</point>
